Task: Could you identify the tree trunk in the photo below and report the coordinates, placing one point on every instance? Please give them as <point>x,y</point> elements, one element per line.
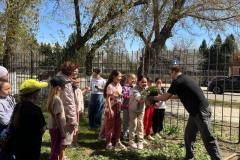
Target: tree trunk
<point>147,62</point>
<point>78,44</point>
<point>12,24</point>
<point>160,38</point>
<point>88,63</point>
<point>6,58</point>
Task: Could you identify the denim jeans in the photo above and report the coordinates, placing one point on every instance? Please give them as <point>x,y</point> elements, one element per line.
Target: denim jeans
<point>95,109</point>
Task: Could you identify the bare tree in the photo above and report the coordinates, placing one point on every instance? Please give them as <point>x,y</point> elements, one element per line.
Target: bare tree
<point>105,18</point>
<point>183,43</point>
<point>159,18</point>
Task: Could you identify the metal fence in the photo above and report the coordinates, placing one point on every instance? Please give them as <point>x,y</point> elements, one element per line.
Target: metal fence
<point>225,106</point>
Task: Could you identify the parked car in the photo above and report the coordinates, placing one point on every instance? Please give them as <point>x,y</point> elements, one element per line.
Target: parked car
<point>231,84</point>
<point>209,80</point>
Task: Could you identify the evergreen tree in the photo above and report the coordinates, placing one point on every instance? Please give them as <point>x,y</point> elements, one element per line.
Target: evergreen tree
<point>217,57</point>
<point>203,50</point>
<point>216,54</point>
<point>229,47</point>
<point>70,53</point>
<point>53,54</point>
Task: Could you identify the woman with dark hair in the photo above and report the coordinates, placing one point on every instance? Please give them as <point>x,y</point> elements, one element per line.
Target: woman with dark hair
<point>113,95</point>
<point>68,99</point>
<point>96,101</point>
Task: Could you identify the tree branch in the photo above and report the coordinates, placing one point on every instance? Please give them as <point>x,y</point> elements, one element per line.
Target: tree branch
<point>156,18</point>
<point>141,35</point>
<point>218,8</point>
<point>110,16</point>
<point>94,15</point>
<point>100,42</point>
<point>149,37</point>
<point>162,7</point>
<point>212,19</point>
<point>77,19</point>
<point>174,16</point>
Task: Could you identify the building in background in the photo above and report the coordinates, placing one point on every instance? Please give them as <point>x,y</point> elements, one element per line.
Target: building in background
<point>234,68</point>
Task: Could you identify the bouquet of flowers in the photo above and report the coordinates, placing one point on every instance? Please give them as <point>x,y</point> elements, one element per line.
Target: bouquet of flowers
<point>152,91</point>
<point>144,93</point>
<point>149,92</point>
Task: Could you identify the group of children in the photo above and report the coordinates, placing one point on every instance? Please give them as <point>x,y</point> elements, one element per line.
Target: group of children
<point>22,125</point>
<point>25,119</point>
<point>139,116</point>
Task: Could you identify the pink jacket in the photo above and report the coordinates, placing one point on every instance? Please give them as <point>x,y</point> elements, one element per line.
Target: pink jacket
<point>68,99</point>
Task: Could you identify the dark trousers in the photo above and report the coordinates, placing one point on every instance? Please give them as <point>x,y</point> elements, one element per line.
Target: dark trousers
<point>202,124</point>
<point>158,116</point>
<point>2,127</point>
<point>95,110</point>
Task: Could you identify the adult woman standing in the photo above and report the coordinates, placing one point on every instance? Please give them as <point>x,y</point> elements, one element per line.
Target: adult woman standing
<point>67,97</point>
<point>96,102</point>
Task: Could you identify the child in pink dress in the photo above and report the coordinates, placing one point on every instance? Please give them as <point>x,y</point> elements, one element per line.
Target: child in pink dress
<point>113,95</point>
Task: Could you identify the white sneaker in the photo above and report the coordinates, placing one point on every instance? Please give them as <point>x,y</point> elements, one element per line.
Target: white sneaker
<point>119,145</point>
<point>145,142</point>
<point>133,145</point>
<point>109,146</point>
<point>157,135</point>
<point>150,138</point>
<point>140,145</point>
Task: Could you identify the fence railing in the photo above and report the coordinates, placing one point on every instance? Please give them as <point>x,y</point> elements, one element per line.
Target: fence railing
<point>225,106</point>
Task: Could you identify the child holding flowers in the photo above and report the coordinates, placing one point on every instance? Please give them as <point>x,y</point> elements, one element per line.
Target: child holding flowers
<point>136,113</point>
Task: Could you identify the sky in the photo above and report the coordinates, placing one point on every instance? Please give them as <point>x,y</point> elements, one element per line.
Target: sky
<point>57,28</point>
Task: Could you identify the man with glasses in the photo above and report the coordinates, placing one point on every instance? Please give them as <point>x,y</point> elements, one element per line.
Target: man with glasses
<point>196,104</point>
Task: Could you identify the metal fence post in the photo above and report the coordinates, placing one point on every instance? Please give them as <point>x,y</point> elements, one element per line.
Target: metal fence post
<point>31,64</point>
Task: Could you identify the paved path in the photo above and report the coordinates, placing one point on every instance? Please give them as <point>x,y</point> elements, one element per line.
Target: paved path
<point>225,114</point>
<point>227,96</point>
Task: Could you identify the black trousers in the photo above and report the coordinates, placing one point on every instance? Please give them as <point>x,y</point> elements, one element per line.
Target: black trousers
<point>202,124</point>
<point>158,116</point>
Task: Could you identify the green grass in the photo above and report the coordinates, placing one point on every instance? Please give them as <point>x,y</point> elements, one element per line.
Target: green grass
<point>170,147</point>
<point>224,103</point>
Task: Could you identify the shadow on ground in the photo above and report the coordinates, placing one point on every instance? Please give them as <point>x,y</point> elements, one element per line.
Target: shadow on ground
<point>129,155</point>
